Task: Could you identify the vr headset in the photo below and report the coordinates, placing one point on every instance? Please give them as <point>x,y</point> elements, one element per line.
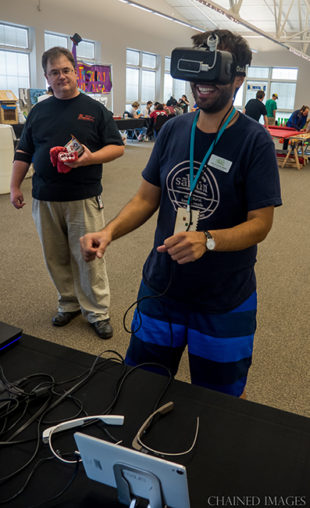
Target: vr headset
<point>201,65</point>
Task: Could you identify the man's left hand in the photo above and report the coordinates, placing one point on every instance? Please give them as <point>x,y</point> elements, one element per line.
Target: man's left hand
<point>185,247</point>
<point>86,159</point>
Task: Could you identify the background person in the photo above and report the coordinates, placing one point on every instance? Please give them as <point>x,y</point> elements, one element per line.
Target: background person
<point>158,117</point>
<point>298,119</point>
<point>133,110</point>
<point>255,107</point>
<point>159,111</point>
<point>172,101</point>
<point>183,103</point>
<point>204,279</point>
<point>147,110</point>
<point>135,113</point>
<point>271,108</point>
<point>68,205</point>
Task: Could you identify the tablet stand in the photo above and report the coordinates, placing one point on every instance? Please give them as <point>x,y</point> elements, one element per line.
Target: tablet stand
<point>132,482</point>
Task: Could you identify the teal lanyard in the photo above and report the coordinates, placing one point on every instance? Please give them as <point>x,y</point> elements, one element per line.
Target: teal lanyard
<point>194,180</point>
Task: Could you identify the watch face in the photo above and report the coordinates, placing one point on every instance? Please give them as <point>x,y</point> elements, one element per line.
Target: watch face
<point>210,244</point>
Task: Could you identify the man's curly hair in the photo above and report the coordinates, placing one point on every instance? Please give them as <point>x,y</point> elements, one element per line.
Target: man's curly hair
<point>228,41</point>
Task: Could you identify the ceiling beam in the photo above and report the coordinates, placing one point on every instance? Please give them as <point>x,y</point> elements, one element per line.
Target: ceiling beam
<point>235,18</point>
<point>286,17</point>
<point>278,17</point>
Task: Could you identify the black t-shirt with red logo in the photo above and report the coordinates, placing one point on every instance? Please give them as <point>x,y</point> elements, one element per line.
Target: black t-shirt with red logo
<point>52,123</point>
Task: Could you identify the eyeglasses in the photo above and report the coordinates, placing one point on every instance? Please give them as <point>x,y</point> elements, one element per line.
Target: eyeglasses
<point>55,73</point>
<point>138,444</point>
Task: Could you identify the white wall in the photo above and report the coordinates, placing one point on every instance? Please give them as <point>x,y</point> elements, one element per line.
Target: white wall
<point>118,26</point>
<point>115,25</point>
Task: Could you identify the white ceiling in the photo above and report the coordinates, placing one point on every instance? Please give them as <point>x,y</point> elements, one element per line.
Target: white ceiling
<point>284,21</point>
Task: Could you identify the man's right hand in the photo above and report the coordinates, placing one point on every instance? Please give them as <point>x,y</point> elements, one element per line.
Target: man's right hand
<point>17,198</point>
<point>94,245</point>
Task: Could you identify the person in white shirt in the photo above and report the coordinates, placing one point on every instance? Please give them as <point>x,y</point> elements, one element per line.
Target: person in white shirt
<point>147,110</point>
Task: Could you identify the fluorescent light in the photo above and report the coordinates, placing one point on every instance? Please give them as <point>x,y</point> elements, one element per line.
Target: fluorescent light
<point>140,7</point>
<point>161,14</point>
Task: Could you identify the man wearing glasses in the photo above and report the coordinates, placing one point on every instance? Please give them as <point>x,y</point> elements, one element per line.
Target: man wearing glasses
<point>67,197</point>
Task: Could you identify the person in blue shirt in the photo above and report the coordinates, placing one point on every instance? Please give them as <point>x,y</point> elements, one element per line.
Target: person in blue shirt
<point>213,178</point>
<point>298,118</point>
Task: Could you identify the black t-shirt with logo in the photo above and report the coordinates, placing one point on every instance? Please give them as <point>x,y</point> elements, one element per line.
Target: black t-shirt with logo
<point>52,123</point>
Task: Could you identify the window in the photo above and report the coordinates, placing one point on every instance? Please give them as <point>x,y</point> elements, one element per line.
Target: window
<point>132,84</point>
<point>238,97</point>
<point>174,87</point>
<point>286,93</point>
<point>168,86</point>
<point>13,36</point>
<point>14,72</point>
<point>141,68</point>
<point>14,58</point>
<point>132,57</point>
<point>286,73</point>
<point>85,50</point>
<point>279,80</point>
<point>252,87</point>
<point>52,40</point>
<point>148,86</point>
<point>258,72</point>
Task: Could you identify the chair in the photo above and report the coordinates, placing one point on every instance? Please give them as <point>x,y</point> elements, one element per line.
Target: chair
<point>160,121</point>
<point>129,115</point>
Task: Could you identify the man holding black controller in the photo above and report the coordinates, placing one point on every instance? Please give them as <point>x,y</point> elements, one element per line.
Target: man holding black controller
<point>68,137</point>
<point>213,175</point>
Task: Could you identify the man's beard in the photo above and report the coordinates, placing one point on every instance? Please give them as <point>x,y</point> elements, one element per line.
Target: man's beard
<point>217,104</point>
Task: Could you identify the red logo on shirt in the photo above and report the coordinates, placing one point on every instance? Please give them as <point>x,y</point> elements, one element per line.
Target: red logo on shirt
<point>89,118</point>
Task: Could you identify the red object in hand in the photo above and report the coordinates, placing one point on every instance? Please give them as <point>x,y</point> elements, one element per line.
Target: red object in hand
<point>54,154</point>
<point>59,155</point>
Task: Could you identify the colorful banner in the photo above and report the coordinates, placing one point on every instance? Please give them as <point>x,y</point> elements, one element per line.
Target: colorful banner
<point>94,78</point>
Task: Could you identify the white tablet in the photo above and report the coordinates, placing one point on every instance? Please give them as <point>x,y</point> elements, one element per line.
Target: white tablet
<point>133,473</point>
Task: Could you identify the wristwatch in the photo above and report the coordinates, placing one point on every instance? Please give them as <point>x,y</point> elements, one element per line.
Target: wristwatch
<point>210,243</point>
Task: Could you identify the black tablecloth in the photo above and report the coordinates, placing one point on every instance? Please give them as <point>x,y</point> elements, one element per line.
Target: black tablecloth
<point>132,123</point>
<point>243,448</point>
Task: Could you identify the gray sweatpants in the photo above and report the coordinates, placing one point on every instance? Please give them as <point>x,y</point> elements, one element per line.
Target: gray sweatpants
<point>80,285</point>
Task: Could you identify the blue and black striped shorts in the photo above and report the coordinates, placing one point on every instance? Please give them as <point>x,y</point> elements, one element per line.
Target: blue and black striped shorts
<point>219,345</point>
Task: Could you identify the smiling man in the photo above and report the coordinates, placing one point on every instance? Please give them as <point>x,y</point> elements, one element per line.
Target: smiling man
<point>213,175</point>
<point>67,199</point>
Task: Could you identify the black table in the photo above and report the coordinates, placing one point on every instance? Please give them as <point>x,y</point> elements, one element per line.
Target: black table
<point>243,448</point>
<point>131,123</point>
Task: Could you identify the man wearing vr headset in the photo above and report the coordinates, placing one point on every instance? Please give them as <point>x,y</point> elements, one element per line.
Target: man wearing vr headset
<point>213,176</point>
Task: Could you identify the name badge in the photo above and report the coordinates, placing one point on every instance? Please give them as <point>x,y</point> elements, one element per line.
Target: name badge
<point>219,163</point>
<point>186,221</point>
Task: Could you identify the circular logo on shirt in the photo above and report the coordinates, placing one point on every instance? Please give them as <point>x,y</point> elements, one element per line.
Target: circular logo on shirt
<point>206,195</point>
